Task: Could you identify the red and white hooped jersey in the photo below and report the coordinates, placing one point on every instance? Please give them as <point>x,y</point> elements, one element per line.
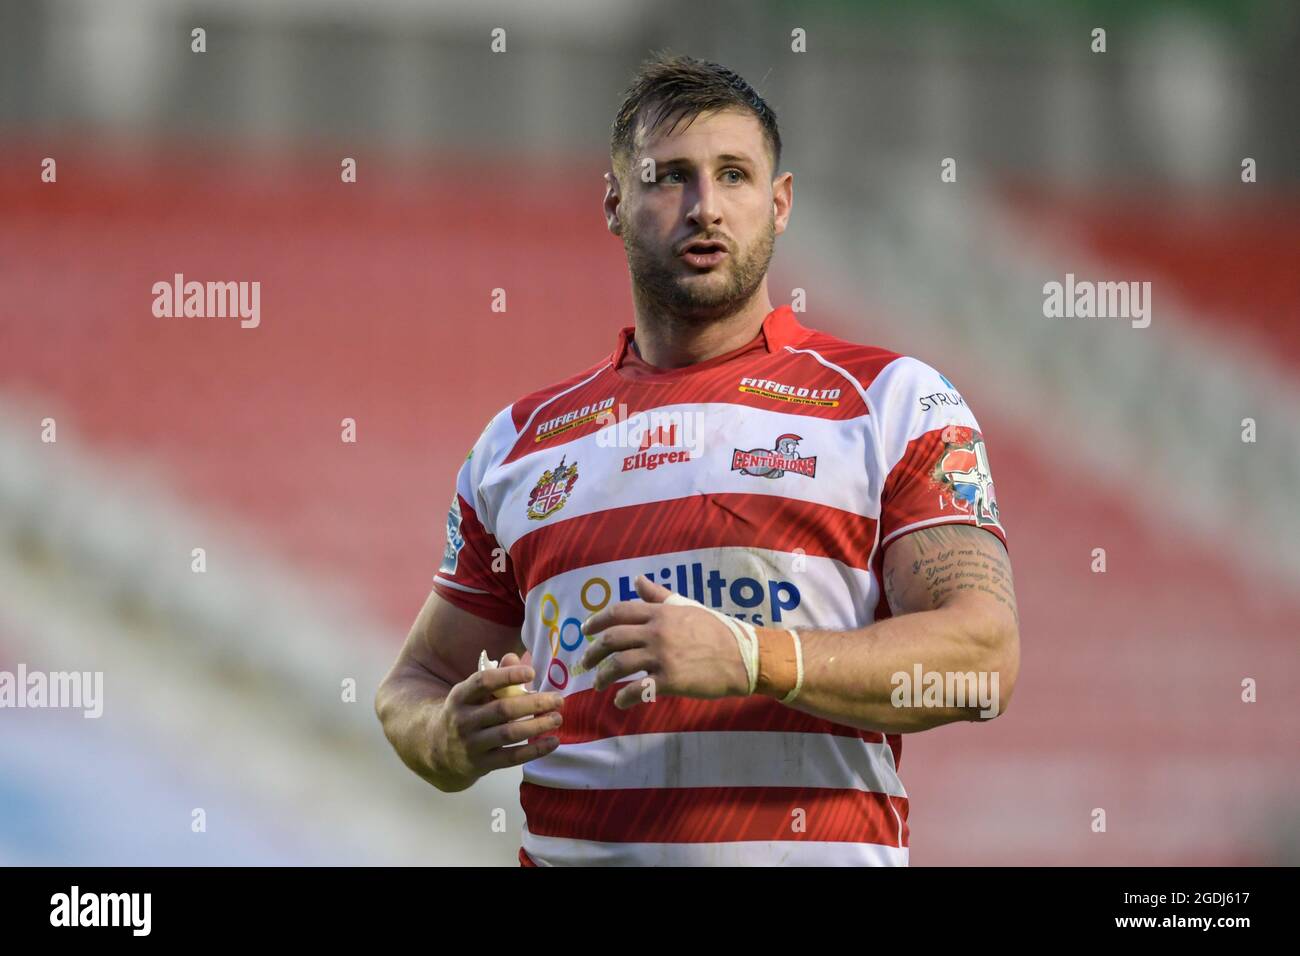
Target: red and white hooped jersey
<point>765,483</point>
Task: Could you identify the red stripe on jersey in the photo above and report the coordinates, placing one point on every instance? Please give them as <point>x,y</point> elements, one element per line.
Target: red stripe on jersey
<point>521,410</point>
<point>525,859</point>
<point>728,520</point>
<point>591,715</point>
<point>711,381</point>
<point>500,601</point>
<point>715,814</point>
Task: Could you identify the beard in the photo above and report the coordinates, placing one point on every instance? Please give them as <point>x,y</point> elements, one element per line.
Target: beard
<point>665,282</point>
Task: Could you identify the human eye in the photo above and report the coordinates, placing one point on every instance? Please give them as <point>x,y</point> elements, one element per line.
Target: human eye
<point>738,173</point>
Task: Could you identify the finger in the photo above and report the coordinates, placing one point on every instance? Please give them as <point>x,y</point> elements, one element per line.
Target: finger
<point>650,592</point>
<point>624,612</point>
<point>504,757</point>
<point>622,664</point>
<point>620,638</point>
<point>478,687</point>
<point>503,735</point>
<point>505,709</point>
<point>631,694</point>
<point>510,659</point>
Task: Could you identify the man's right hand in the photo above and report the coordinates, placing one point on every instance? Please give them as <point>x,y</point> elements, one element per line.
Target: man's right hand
<point>474,731</point>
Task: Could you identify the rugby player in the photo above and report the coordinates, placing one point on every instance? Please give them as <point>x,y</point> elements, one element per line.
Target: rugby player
<point>715,556</point>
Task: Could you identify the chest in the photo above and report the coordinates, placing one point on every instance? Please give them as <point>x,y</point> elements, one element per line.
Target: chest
<point>641,470</point>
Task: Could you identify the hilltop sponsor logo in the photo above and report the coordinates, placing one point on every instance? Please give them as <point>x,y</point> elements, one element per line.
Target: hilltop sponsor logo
<point>650,460</point>
<point>821,397</point>
<point>572,419</point>
<point>759,601</point>
<point>552,490</point>
<point>774,462</point>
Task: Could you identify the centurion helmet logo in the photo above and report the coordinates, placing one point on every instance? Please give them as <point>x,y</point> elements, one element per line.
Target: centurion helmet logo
<point>552,490</point>
<point>774,462</point>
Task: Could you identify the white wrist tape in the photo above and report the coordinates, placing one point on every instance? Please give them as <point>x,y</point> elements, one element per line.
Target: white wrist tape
<point>798,663</point>
<point>743,631</point>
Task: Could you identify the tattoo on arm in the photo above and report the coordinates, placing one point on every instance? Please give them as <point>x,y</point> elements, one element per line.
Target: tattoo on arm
<point>928,567</point>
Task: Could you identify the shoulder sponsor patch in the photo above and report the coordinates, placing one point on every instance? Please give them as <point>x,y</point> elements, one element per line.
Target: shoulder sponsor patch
<point>455,540</point>
<point>962,473</point>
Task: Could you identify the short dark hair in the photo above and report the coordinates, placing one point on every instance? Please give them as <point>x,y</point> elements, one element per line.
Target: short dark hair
<point>678,87</point>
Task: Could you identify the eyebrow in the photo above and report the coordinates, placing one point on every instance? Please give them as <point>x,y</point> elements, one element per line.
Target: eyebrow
<point>724,157</point>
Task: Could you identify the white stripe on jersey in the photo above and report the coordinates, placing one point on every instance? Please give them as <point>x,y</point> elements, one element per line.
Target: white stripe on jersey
<point>446,582</point>
<point>531,418</point>
<point>558,851</point>
<point>843,479</point>
<point>492,446</point>
<point>895,393</point>
<point>719,759</point>
<point>823,593</point>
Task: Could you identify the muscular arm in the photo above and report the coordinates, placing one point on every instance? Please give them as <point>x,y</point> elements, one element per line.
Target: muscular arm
<point>950,590</point>
<point>441,650</point>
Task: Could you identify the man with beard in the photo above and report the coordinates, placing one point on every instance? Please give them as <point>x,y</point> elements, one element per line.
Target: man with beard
<point>732,562</point>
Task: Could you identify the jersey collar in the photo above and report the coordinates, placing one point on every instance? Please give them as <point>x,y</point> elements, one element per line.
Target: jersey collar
<point>779,329</point>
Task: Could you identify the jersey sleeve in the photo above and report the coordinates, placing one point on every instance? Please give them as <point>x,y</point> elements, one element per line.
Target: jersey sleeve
<point>936,461</point>
<point>476,573</point>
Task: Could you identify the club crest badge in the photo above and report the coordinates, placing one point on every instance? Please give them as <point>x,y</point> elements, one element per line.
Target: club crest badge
<point>552,490</point>
<point>774,462</point>
<point>962,472</point>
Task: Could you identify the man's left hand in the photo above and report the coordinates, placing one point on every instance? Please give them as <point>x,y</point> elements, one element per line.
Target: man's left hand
<point>685,651</point>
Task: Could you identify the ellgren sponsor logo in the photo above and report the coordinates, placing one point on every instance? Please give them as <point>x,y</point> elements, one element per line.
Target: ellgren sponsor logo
<point>650,460</point>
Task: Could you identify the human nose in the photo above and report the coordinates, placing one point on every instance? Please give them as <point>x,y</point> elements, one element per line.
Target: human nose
<point>706,210</point>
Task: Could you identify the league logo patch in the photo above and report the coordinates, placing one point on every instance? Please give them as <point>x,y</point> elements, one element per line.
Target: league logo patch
<point>455,540</point>
<point>774,462</point>
<point>552,490</point>
<point>962,471</point>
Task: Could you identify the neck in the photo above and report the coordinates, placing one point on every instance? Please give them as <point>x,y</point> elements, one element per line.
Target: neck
<point>666,340</point>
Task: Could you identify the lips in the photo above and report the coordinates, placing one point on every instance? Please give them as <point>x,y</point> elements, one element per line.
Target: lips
<point>704,247</point>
